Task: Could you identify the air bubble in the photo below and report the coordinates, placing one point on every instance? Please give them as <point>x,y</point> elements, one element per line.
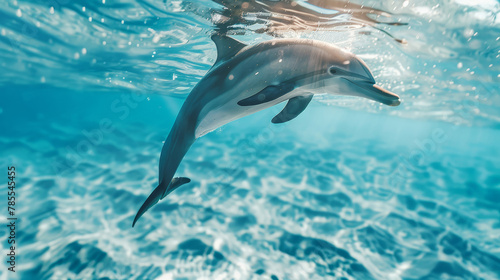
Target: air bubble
<point>468,32</point>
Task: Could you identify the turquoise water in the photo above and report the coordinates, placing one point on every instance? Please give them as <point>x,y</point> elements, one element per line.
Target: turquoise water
<point>350,189</point>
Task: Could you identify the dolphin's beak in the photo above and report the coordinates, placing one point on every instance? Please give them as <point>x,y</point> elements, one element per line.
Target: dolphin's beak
<point>359,77</point>
<point>368,89</point>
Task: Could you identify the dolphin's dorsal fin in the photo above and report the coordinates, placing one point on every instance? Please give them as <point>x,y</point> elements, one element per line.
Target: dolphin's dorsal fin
<point>293,108</point>
<point>227,47</point>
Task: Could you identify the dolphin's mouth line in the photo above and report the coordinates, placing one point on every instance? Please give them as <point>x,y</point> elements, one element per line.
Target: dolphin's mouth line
<point>346,75</point>
<point>360,82</point>
<point>375,92</point>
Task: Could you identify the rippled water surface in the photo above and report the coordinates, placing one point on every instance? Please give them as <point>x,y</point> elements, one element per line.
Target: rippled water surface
<point>349,190</point>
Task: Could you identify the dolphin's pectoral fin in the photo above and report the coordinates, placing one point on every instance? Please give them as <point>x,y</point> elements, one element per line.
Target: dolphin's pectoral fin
<point>267,94</point>
<point>159,193</point>
<point>293,108</point>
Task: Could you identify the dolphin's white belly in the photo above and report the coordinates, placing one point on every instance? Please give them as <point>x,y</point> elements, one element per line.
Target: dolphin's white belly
<point>223,115</point>
<point>219,113</point>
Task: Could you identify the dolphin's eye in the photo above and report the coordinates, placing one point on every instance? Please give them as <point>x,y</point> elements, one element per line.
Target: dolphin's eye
<point>332,71</point>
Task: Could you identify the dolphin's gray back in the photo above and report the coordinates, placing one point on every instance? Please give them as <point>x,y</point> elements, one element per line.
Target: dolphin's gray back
<point>250,71</point>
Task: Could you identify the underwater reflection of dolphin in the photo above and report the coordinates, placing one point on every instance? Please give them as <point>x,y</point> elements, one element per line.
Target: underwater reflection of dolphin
<point>246,79</point>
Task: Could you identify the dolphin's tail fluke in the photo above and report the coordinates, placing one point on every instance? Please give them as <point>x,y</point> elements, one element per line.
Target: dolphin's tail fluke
<point>159,193</point>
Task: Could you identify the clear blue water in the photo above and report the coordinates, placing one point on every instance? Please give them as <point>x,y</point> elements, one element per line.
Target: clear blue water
<point>348,190</point>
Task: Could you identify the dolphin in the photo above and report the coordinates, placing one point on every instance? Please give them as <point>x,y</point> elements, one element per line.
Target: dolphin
<point>247,79</point>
